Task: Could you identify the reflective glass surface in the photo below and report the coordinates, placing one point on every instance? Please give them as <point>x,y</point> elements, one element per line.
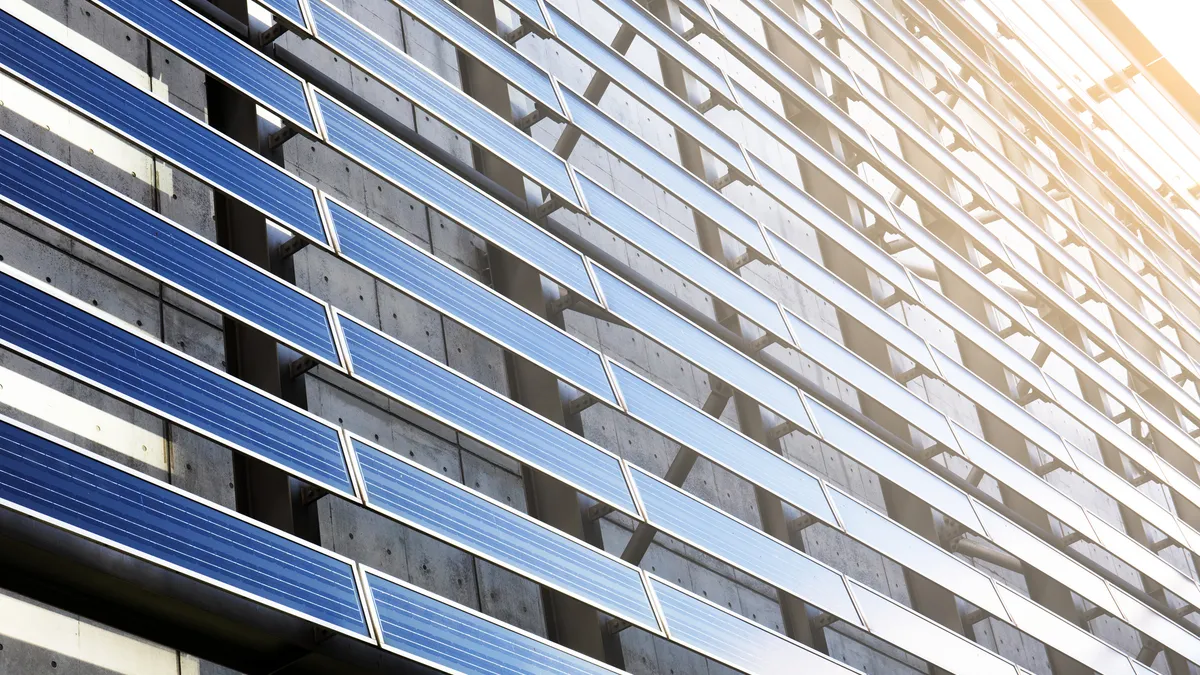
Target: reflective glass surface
<point>1117,488</point>
<point>453,293</point>
<point>684,517</point>
<point>657,167</point>
<point>1170,634</point>
<point>58,195</point>
<point>701,348</point>
<point>430,92</point>
<point>475,410</point>
<point>1148,563</point>
<point>420,626</point>
<point>88,347</point>
<point>1063,635</point>
<point>449,511</point>
<point>712,438</point>
<point>448,194</point>
<point>162,525</point>
<point>164,130</point>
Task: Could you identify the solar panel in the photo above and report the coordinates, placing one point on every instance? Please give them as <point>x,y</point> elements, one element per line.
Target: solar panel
<point>1168,633</point>
<point>457,295</point>
<point>697,194</point>
<point>437,632</point>
<point>893,465</point>
<point>1141,558</point>
<point>449,194</point>
<point>160,128</point>
<point>701,348</point>
<point>63,197</point>
<point>671,44</point>
<point>1063,635</point>
<point>710,437</point>
<point>430,92</point>
<point>683,116</point>
<point>682,516</point>
<point>453,399</point>
<point>726,637</point>
<point>465,518</point>
<point>617,215</point>
<point>63,336</point>
<point>288,11</point>
<point>115,506</point>
<point>222,55</point>
<point>465,32</point>
<point>899,625</point>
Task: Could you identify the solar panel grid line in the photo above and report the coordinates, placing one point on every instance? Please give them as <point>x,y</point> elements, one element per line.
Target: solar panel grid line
<point>252,421</point>
<point>472,38</point>
<point>467,628</point>
<point>408,268</point>
<point>668,415</point>
<point>392,159</point>
<point>158,247</point>
<point>672,177</point>
<point>411,79</point>
<point>413,501</point>
<point>633,225</point>
<point>702,348</point>
<point>603,480</point>
<point>293,14</point>
<point>163,503</point>
<point>650,93</point>
<point>159,127</point>
<point>219,54</point>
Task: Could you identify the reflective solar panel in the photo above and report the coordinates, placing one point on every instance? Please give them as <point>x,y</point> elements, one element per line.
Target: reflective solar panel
<point>221,54</point>
<point>710,437</point>
<point>449,511</point>
<point>66,199</point>
<point>287,11</point>
<point>718,634</point>
<point>701,348</point>
<point>673,178</point>
<point>427,90</point>
<point>72,488</point>
<point>684,517</point>
<point>436,632</point>
<point>63,336</point>
<point>1063,635</point>
<point>670,43</point>
<point>462,298</point>
<point>895,623</point>
<point>683,116</point>
<point>1145,561</point>
<point>917,553</point>
<point>160,128</point>
<point>442,393</point>
<point>449,194</point>
<point>457,27</point>
<point>1170,634</point>
<point>863,376</point>
<point>617,215</point>
<point>1120,490</point>
<point>883,459</point>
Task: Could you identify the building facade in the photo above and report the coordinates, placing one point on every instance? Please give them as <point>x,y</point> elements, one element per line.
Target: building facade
<point>587,336</point>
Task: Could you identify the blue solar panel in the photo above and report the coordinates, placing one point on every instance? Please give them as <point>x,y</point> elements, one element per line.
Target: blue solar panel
<point>475,410</point>
<point>436,632</point>
<point>449,291</point>
<point>419,84</point>
<point>701,348</point>
<point>61,196</point>
<point>221,54</point>
<point>146,373</point>
<point>489,48</point>
<point>617,215</point>
<point>671,107</point>
<point>160,128</point>
<point>670,43</point>
<point>288,11</point>
<point>716,441</point>
<point>114,505</point>
<point>452,196</point>
<point>727,637</point>
<point>672,177</point>
<point>468,520</point>
<point>684,517</point>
